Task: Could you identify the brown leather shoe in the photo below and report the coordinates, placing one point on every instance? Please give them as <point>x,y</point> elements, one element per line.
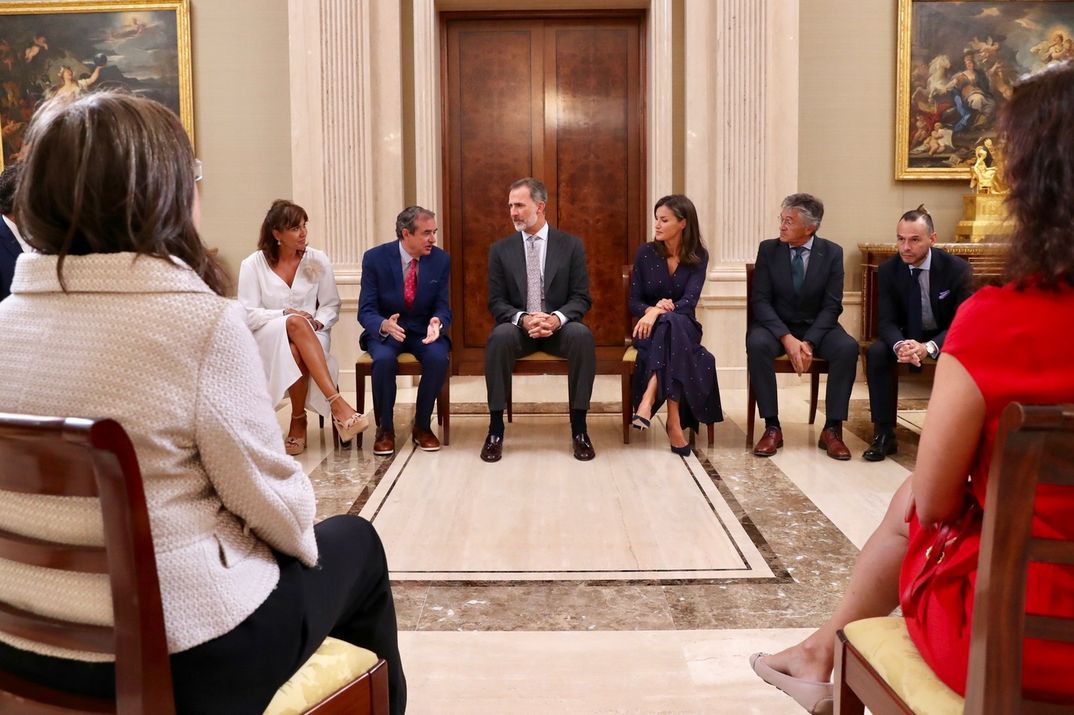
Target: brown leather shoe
<point>831,441</point>
<point>770,441</point>
<point>384,445</point>
<point>492,450</point>
<point>426,440</point>
<point>583,448</point>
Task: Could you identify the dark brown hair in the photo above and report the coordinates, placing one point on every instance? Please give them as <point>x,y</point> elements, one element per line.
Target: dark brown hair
<point>691,249</point>
<point>9,182</point>
<point>283,215</point>
<point>110,172</point>
<point>919,214</point>
<point>1040,171</point>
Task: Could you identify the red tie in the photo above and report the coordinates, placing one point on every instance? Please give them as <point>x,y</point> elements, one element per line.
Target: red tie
<point>410,284</point>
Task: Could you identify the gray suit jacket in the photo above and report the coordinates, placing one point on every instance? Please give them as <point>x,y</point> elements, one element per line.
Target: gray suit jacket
<point>566,278</point>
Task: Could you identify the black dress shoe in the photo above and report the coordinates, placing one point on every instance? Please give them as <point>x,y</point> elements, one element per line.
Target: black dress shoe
<point>492,449</point>
<point>583,448</point>
<point>882,446</point>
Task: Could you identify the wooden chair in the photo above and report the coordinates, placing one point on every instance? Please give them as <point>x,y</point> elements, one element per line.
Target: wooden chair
<point>781,365</point>
<point>1034,445</point>
<point>94,458</point>
<point>407,365</point>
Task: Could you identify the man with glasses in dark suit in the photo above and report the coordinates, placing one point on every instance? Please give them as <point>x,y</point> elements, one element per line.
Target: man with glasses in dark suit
<point>797,299</point>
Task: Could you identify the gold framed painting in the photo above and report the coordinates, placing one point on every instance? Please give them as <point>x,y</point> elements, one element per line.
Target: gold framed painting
<point>50,48</point>
<point>957,61</point>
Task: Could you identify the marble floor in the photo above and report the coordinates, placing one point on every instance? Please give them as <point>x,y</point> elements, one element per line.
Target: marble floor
<point>636,583</point>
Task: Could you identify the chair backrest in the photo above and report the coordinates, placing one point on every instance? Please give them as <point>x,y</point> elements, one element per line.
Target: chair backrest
<point>628,318</point>
<point>88,458</point>
<point>1034,446</point>
<point>750,270</point>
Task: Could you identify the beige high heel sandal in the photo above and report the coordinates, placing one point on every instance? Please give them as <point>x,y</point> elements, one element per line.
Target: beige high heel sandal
<point>353,425</point>
<point>295,446</point>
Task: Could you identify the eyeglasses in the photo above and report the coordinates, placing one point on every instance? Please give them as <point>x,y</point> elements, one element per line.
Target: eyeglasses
<point>198,174</point>
<point>788,221</point>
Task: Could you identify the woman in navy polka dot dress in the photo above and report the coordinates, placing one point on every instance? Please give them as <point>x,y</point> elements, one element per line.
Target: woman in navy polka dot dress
<point>672,366</point>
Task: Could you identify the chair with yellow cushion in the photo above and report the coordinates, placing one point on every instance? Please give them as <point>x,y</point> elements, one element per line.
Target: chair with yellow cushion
<point>407,365</point>
<point>95,458</point>
<point>877,665</point>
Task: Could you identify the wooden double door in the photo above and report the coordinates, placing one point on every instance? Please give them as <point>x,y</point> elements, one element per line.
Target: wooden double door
<point>560,99</point>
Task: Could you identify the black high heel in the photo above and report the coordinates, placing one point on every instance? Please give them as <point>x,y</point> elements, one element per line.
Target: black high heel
<point>683,451</point>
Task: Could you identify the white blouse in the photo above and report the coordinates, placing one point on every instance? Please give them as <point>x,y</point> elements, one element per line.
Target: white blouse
<point>265,295</point>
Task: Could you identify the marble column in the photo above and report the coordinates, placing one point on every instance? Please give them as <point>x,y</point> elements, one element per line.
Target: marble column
<point>346,138</point>
<point>741,148</point>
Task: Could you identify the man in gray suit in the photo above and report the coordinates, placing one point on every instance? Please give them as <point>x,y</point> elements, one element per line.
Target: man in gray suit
<point>796,302</point>
<point>538,293</point>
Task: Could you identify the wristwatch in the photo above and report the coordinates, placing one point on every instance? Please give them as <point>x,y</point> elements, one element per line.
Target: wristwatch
<point>932,349</point>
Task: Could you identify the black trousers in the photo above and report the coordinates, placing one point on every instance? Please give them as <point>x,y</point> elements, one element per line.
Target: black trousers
<point>838,348</point>
<point>508,343</point>
<point>879,363</point>
<point>347,596</point>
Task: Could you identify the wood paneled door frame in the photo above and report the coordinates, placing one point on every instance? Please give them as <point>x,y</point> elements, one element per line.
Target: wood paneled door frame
<point>559,96</point>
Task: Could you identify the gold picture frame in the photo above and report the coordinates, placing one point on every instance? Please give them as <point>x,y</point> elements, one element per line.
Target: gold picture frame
<point>957,60</point>
<point>49,47</point>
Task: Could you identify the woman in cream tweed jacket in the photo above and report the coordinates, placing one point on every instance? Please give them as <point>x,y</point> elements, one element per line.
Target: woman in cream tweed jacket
<point>122,316</point>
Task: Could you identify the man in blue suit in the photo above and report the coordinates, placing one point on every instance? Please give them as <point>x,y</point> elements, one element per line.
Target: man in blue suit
<point>10,242</point>
<point>403,307</point>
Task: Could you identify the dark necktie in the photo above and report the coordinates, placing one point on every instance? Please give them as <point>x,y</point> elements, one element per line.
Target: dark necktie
<point>798,269</point>
<point>914,331</point>
<point>410,284</point>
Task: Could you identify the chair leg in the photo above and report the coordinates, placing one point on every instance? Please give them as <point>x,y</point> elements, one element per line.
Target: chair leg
<point>751,412</point>
<point>895,390</point>
<point>814,391</point>
<point>847,701</point>
<point>510,406</point>
<point>359,398</point>
<point>443,406</point>
<point>625,378</point>
<point>712,433</point>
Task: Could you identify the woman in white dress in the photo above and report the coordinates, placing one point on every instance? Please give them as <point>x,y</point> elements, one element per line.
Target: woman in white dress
<point>291,304</point>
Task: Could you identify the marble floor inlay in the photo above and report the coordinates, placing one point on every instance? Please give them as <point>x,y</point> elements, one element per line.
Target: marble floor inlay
<point>636,583</point>
<point>638,512</point>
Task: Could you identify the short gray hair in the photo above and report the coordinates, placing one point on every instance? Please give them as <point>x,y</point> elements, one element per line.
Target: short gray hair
<point>538,192</point>
<point>811,208</point>
<point>408,217</point>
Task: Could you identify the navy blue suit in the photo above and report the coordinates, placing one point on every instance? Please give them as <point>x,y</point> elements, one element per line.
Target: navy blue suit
<point>9,253</point>
<point>380,298</point>
<point>950,284</point>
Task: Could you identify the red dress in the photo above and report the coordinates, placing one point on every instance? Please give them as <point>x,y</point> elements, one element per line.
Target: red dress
<point>1016,345</point>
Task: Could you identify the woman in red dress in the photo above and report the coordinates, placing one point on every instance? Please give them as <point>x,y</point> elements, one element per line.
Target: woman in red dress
<point>1006,343</point>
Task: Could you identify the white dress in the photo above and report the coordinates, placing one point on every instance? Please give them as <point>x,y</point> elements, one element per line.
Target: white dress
<point>265,296</point>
